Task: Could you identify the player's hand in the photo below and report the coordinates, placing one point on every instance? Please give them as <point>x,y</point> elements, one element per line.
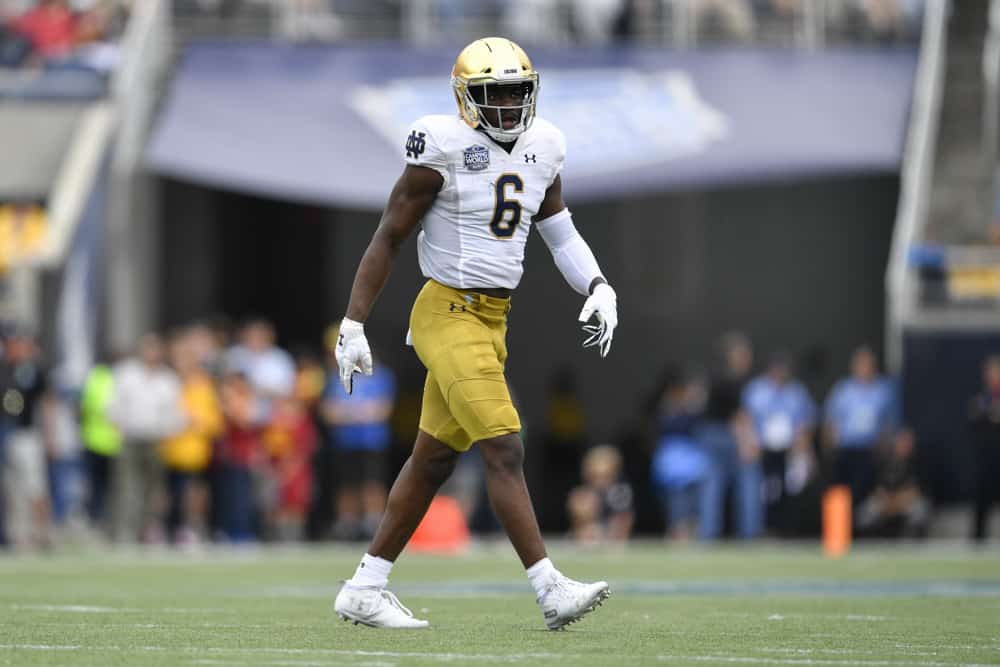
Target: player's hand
<point>353,354</point>
<point>602,303</point>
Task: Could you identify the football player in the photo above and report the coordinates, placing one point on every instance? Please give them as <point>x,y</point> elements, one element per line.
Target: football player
<point>475,182</point>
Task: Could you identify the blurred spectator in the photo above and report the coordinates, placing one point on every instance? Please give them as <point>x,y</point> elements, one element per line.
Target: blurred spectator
<point>63,441</point>
<point>10,9</point>
<point>302,20</point>
<point>680,466</point>
<point>289,441</point>
<point>146,409</point>
<point>23,231</point>
<point>601,509</point>
<point>359,431</point>
<point>14,47</point>
<point>594,20</point>
<point>726,433</point>
<point>310,380</point>
<point>61,34</point>
<point>882,20</point>
<point>52,27</point>
<point>860,415</point>
<point>531,21</point>
<point>186,454</point>
<point>984,419</point>
<point>101,439</point>
<point>562,443</point>
<point>239,453</point>
<point>25,391</point>
<point>100,22</point>
<point>884,17</point>
<point>269,368</point>
<point>731,18</point>
<point>454,16</point>
<point>210,341</point>
<point>324,468</point>
<point>896,507</point>
<point>637,20</point>
<point>784,416</point>
<point>309,385</point>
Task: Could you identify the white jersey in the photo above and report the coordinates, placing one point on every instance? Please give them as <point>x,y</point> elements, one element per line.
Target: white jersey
<point>475,232</point>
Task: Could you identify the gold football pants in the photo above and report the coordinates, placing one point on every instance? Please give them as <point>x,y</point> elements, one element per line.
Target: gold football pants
<point>459,337</point>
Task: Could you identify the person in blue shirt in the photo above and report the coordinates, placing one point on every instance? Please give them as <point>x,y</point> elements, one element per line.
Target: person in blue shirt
<point>680,465</point>
<point>784,417</point>
<point>359,432</point>
<point>859,416</point>
<point>726,434</point>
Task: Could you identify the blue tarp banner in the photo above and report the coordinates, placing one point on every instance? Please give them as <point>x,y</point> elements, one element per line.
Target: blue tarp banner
<point>327,124</point>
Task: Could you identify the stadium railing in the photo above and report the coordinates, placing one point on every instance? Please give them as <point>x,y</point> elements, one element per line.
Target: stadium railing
<point>92,194</point>
<point>674,23</point>
<point>148,49</point>
<point>915,187</point>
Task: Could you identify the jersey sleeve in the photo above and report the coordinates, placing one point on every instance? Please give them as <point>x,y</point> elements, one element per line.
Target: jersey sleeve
<point>552,143</point>
<point>422,149</point>
<point>558,151</point>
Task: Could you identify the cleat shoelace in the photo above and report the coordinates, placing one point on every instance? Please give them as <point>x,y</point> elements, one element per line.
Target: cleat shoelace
<point>394,601</point>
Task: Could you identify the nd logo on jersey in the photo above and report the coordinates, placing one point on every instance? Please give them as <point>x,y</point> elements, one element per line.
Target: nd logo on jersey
<point>477,158</point>
<point>415,144</point>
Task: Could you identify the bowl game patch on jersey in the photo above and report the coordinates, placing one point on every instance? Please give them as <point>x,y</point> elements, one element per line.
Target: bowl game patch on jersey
<point>477,158</point>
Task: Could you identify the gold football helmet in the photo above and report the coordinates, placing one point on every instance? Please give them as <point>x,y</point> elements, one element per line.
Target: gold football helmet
<point>495,87</point>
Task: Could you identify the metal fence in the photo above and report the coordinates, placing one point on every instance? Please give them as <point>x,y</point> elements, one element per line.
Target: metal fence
<point>675,23</point>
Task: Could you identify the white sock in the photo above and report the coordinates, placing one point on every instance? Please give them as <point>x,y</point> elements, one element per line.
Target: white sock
<point>372,572</point>
<point>540,575</point>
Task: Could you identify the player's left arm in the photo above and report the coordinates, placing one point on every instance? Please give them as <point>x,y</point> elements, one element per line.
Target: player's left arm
<point>576,261</point>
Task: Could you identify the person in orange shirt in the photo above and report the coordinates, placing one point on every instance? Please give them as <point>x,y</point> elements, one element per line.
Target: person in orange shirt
<point>187,454</point>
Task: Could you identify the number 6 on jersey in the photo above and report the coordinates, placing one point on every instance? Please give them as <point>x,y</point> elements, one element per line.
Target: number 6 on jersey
<point>502,224</point>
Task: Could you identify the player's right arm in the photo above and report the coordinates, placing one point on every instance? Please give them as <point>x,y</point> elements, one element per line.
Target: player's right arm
<point>409,201</point>
<point>411,198</point>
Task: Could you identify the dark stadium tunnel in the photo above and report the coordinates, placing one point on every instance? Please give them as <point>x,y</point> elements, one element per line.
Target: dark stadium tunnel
<point>243,256</point>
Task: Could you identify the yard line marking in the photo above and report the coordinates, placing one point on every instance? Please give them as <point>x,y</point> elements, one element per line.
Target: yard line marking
<point>93,609</point>
<point>485,657</point>
<point>293,663</point>
<point>858,651</point>
<point>74,608</point>
<point>817,661</point>
<point>444,657</point>
<point>809,587</point>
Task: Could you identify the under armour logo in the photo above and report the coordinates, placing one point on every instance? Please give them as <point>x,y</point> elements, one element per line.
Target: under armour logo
<point>340,341</point>
<point>415,144</point>
<point>530,157</point>
<point>454,307</point>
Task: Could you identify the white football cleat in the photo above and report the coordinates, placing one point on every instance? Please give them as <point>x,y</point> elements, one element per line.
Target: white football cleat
<point>566,601</point>
<point>374,607</point>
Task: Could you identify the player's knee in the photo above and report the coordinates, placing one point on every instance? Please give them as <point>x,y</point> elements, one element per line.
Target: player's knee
<point>438,467</point>
<point>503,454</point>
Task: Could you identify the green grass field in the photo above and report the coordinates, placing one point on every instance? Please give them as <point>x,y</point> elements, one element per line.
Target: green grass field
<point>907,605</point>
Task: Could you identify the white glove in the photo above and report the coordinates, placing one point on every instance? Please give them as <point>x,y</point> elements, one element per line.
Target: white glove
<point>603,303</point>
<point>353,353</point>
